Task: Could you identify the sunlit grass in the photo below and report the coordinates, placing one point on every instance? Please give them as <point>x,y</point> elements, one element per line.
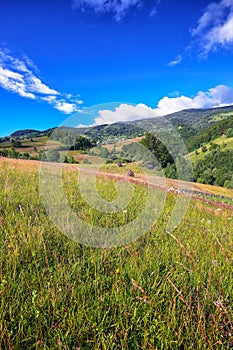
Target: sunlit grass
<point>163,291</point>
<point>218,141</point>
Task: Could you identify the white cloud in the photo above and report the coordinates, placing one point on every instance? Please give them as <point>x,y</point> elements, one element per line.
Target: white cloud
<point>65,107</point>
<point>118,8</point>
<point>14,82</point>
<point>176,61</point>
<point>82,126</point>
<point>125,112</point>
<point>48,98</point>
<point>7,74</point>
<point>214,29</point>
<point>20,76</point>
<point>36,85</point>
<point>220,95</point>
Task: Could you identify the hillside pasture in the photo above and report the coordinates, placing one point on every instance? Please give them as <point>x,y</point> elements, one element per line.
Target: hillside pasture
<point>162,291</point>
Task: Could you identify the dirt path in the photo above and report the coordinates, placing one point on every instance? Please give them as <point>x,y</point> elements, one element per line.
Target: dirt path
<point>183,188</point>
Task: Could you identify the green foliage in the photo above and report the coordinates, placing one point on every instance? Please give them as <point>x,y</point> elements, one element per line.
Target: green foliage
<point>83,143</point>
<point>51,155</point>
<point>109,161</point>
<point>4,152</point>
<point>170,171</point>
<point>12,153</point>
<point>213,146</point>
<point>186,131</point>
<point>25,155</point>
<point>134,152</point>
<point>158,149</point>
<point>229,132</point>
<point>66,137</point>
<point>71,160</point>
<point>103,152</point>
<point>70,138</point>
<point>16,143</point>
<point>229,183</point>
<point>204,149</point>
<point>210,133</point>
<point>215,169</point>
<point>113,132</point>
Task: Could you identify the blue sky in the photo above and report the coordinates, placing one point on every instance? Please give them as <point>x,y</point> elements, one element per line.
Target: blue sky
<point>59,57</point>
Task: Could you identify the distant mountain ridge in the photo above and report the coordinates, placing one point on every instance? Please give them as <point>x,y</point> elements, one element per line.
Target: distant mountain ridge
<point>193,119</point>
<point>28,133</point>
<point>25,132</point>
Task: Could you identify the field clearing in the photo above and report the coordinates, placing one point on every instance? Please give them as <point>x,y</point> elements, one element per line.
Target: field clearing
<point>121,143</point>
<point>113,171</point>
<point>162,291</point>
<point>219,141</point>
<point>28,146</point>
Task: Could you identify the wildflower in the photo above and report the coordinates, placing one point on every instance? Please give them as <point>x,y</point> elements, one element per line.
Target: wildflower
<point>6,241</point>
<point>118,271</point>
<point>219,304</point>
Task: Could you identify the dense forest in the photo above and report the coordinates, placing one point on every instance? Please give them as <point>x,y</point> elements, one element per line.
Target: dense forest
<point>215,169</point>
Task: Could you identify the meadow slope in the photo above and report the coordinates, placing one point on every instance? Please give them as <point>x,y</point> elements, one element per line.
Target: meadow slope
<point>163,291</point>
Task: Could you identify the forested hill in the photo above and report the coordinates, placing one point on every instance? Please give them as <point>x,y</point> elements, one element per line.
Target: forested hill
<point>26,132</point>
<point>200,118</point>
<point>189,122</point>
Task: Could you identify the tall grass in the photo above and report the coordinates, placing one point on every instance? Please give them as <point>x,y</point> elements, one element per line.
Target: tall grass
<point>163,291</point>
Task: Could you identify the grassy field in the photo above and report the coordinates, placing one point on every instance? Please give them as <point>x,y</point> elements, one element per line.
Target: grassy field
<point>138,170</point>
<point>219,141</point>
<point>119,144</point>
<point>163,291</point>
<point>29,145</point>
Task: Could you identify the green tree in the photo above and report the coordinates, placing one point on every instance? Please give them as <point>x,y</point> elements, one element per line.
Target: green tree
<point>12,153</point>
<point>229,183</point>
<point>229,133</point>
<point>204,149</point>
<point>206,177</point>
<point>158,149</point>
<point>170,171</point>
<point>52,155</point>
<point>213,146</point>
<point>83,143</point>
<point>16,143</point>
